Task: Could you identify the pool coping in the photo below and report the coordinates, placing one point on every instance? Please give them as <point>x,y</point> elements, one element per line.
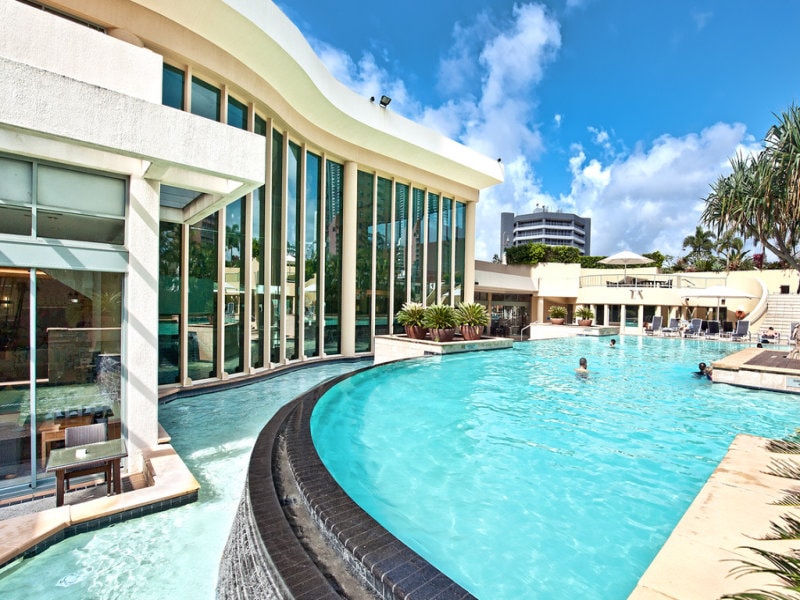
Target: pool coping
<point>734,508</point>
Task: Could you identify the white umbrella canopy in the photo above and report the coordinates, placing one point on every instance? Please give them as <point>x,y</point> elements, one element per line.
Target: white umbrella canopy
<point>718,292</point>
<point>625,258</point>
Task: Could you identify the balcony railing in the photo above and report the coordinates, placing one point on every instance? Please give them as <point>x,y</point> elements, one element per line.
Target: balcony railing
<point>677,280</point>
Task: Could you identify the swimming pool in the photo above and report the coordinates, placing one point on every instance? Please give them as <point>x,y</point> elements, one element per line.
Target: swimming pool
<point>518,479</point>
<point>176,553</point>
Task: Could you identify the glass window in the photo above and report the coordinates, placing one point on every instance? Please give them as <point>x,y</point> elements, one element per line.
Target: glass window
<point>400,249</point>
<point>311,345</point>
<point>78,376</point>
<point>169,302</point>
<point>172,81</point>
<point>447,253</point>
<point>257,268</point>
<point>364,261</point>
<point>73,205</point>
<point>202,336</point>
<point>276,213</point>
<point>417,241</point>
<point>16,196</point>
<point>334,194</point>
<point>237,113</point>
<point>383,236</point>
<point>260,126</point>
<point>205,99</point>
<point>235,319</point>
<point>85,192</point>
<point>294,197</point>
<point>432,275</point>
<point>460,249</point>
<point>16,181</point>
<point>14,374</point>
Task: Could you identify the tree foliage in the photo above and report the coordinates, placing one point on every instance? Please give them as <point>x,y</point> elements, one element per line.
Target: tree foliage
<point>760,198</point>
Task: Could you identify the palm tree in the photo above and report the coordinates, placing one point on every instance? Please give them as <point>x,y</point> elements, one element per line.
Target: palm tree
<point>760,198</point>
<point>731,248</point>
<point>701,243</point>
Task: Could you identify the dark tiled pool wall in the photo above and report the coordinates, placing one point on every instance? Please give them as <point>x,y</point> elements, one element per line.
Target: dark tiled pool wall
<point>245,565</point>
<point>380,561</point>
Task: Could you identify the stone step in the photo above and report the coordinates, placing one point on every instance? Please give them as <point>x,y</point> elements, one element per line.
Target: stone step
<point>782,311</point>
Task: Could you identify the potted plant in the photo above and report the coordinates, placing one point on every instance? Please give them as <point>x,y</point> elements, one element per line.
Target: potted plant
<point>558,314</point>
<point>585,316</point>
<point>410,316</point>
<point>440,319</point>
<point>472,317</point>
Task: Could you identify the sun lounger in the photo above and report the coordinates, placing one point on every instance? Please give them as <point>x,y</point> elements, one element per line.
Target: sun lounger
<point>655,326</point>
<point>742,330</point>
<point>674,327</point>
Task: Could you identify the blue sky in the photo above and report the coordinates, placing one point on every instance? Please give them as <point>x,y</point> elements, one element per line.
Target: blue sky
<point>620,110</point>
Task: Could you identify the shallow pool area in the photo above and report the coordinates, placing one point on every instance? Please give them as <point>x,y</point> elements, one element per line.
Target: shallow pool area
<point>518,479</point>
<point>175,553</point>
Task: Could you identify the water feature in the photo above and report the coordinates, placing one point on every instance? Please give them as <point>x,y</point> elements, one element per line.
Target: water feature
<point>518,479</point>
<point>176,553</point>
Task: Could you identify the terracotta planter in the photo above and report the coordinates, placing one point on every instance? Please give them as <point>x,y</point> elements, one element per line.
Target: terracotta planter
<point>555,321</point>
<point>585,322</point>
<point>416,332</point>
<point>471,332</point>
<point>442,335</point>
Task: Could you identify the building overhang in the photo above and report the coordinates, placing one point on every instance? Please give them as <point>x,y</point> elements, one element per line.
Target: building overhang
<point>83,125</point>
<point>260,36</point>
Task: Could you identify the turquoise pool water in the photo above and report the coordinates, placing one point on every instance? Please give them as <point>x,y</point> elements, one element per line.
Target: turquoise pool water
<point>176,553</point>
<point>520,480</point>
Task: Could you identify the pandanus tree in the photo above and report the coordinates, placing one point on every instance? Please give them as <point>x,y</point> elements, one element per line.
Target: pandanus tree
<point>760,198</point>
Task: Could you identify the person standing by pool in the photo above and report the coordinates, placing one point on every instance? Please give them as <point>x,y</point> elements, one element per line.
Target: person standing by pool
<point>582,370</point>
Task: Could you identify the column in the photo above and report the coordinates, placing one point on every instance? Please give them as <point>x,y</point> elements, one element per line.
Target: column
<point>140,345</point>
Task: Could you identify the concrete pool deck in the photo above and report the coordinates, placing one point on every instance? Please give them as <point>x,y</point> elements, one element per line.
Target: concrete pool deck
<point>734,510</point>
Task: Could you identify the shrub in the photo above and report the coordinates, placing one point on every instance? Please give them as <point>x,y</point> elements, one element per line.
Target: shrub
<point>411,314</point>
<point>439,316</point>
<point>472,313</point>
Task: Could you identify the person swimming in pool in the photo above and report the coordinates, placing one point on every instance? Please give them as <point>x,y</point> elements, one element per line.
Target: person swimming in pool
<point>582,370</point>
<point>703,370</point>
<point>613,343</point>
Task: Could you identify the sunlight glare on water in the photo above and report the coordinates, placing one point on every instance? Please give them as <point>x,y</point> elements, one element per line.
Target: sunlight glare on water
<point>519,479</point>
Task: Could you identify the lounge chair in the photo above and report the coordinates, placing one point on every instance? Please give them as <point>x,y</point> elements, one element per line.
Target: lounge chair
<point>713,330</point>
<point>674,326</point>
<point>695,329</point>
<point>655,326</point>
<point>742,330</point>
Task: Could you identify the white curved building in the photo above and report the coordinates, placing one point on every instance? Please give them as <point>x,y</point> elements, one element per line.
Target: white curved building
<point>187,195</point>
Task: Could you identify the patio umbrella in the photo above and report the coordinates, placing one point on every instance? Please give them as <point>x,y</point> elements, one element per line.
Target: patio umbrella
<point>626,258</point>
<point>718,292</point>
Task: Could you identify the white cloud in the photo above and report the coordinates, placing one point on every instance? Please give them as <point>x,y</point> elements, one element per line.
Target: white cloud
<point>644,199</point>
<point>651,198</point>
